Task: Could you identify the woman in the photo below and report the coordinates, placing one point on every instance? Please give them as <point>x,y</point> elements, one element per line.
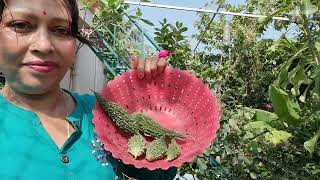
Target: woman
<point>46,132</point>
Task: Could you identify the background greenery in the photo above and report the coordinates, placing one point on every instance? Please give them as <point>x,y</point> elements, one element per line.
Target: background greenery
<point>269,89</point>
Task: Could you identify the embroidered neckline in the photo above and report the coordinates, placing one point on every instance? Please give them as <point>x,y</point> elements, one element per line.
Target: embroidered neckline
<point>99,152</point>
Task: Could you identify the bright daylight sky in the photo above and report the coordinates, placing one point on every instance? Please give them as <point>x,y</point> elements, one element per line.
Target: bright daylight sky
<point>186,17</point>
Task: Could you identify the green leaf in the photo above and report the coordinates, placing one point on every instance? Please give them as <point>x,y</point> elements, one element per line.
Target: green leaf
<point>157,33</point>
<point>276,137</point>
<point>248,135</point>
<point>311,144</point>
<point>147,22</point>
<point>297,78</point>
<point>315,171</point>
<point>202,164</point>
<point>307,8</point>
<point>316,90</point>
<point>315,73</point>
<point>138,12</point>
<point>318,46</point>
<point>287,109</point>
<point>283,75</point>
<point>258,127</point>
<point>302,98</point>
<point>106,2</point>
<point>234,125</point>
<point>184,29</point>
<point>253,175</point>
<point>265,116</point>
<point>274,47</point>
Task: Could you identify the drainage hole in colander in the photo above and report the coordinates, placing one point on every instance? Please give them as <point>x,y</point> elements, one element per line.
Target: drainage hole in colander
<point>160,108</point>
<point>169,85</point>
<point>149,96</point>
<point>127,106</point>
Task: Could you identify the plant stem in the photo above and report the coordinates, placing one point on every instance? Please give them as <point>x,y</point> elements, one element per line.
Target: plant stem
<point>311,42</point>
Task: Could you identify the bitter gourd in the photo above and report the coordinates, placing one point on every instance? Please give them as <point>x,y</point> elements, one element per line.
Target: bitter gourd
<point>150,127</point>
<point>137,145</point>
<point>157,149</point>
<point>173,150</point>
<point>118,115</point>
<point>139,122</point>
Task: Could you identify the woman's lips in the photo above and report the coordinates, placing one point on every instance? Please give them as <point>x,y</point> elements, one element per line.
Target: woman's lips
<point>42,66</point>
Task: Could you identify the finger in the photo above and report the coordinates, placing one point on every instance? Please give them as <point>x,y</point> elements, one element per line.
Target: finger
<point>147,69</point>
<point>134,62</point>
<point>162,63</point>
<point>140,68</point>
<point>154,67</point>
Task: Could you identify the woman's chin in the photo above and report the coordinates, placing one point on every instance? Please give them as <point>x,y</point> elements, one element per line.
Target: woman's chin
<point>38,87</point>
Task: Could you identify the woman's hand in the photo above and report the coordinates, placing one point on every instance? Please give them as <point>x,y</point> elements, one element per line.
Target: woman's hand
<point>150,67</point>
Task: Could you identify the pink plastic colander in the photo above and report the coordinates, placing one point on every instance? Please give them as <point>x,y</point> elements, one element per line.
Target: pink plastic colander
<point>177,100</point>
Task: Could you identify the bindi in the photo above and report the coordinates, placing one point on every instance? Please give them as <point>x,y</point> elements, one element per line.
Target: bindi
<point>44,12</point>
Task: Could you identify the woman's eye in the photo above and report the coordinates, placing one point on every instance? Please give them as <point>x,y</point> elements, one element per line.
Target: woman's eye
<point>21,27</point>
<point>61,31</point>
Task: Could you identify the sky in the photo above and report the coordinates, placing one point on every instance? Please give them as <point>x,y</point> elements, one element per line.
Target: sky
<point>186,17</point>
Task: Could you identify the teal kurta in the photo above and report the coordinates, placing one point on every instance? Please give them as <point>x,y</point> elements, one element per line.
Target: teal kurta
<point>28,152</point>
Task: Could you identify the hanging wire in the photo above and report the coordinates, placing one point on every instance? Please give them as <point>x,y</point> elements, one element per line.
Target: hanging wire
<point>211,20</point>
<point>204,10</point>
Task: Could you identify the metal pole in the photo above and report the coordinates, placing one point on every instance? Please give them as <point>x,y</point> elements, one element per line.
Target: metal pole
<point>201,36</point>
<point>202,10</point>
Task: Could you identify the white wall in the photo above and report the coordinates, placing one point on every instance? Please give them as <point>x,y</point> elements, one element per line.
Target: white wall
<point>87,72</point>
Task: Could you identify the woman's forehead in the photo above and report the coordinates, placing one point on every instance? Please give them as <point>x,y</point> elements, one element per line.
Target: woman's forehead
<point>55,9</point>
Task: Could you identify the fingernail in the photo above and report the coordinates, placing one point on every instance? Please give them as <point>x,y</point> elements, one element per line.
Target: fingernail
<point>163,54</point>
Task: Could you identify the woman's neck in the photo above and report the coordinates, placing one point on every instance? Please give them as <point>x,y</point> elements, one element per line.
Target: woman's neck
<point>51,103</point>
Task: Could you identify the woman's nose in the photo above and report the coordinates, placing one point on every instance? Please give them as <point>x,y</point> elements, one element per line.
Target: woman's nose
<point>42,42</point>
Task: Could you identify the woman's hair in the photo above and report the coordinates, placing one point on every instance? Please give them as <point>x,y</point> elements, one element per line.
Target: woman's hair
<point>72,8</point>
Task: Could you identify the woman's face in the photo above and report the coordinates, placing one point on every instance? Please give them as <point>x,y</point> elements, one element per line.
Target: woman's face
<point>36,45</point>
